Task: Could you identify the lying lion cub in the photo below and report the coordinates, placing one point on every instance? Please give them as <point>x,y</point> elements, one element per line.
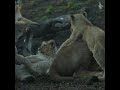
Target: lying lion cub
<point>40,63</point>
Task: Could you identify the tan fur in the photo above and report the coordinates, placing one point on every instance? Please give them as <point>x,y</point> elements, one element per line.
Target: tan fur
<point>84,30</point>
<point>37,64</point>
<point>71,61</point>
<point>19,19</point>
<point>42,61</point>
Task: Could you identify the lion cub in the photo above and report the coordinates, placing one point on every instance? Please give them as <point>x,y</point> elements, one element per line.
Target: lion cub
<point>94,37</point>
<point>40,63</point>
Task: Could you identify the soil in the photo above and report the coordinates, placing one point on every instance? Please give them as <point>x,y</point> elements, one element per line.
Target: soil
<point>44,83</point>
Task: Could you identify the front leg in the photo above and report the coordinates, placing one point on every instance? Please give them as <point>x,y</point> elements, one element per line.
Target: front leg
<point>19,59</point>
<point>75,36</point>
<point>20,22</point>
<point>34,58</point>
<point>66,43</point>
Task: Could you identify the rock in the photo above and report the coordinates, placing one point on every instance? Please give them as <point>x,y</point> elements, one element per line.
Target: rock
<point>26,35</point>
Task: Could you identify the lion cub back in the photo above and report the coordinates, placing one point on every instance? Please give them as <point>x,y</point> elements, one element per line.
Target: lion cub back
<point>70,58</point>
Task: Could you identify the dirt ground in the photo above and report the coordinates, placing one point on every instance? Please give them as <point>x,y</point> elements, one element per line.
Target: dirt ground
<point>44,83</point>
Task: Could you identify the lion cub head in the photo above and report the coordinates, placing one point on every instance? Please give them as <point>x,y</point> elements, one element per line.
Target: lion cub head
<point>79,21</point>
<point>48,47</point>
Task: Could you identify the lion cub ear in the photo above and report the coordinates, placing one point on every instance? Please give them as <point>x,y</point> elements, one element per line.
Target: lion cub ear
<point>84,13</point>
<point>72,17</point>
<point>52,43</point>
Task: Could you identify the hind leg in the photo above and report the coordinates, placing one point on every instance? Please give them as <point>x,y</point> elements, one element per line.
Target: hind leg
<point>22,74</point>
<point>99,55</point>
<point>85,73</point>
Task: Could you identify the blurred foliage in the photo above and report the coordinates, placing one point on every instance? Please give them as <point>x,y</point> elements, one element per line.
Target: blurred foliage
<point>44,18</point>
<point>38,10</point>
<point>71,3</point>
<point>49,9</point>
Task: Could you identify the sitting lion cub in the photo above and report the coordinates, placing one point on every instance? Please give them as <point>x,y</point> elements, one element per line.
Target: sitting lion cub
<point>70,55</point>
<point>40,63</point>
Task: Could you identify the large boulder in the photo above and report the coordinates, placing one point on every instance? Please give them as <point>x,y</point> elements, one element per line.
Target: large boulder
<point>29,37</point>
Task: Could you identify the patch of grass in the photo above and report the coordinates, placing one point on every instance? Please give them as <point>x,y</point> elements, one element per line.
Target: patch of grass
<point>71,4</point>
<point>61,3</point>
<point>49,9</point>
<point>43,18</point>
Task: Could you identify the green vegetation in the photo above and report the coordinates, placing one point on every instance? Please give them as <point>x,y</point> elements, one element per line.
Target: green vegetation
<point>44,18</point>
<point>71,4</point>
<point>49,9</point>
